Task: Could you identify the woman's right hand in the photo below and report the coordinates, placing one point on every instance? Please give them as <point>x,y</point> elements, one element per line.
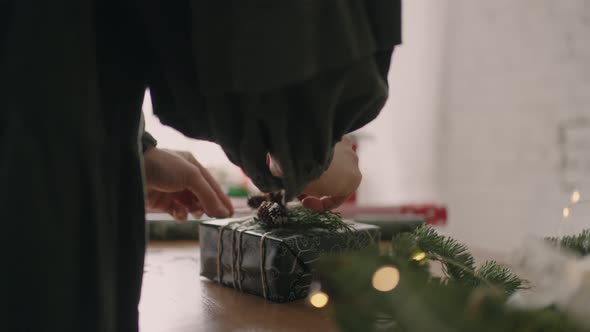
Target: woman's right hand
<point>178,184</point>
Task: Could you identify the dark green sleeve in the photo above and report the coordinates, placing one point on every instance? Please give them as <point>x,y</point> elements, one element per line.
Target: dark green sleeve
<point>287,78</point>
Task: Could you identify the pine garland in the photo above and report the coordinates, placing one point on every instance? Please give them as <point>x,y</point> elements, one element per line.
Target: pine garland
<point>459,265</point>
<point>297,217</point>
<point>301,218</point>
<point>465,299</point>
<point>446,250</point>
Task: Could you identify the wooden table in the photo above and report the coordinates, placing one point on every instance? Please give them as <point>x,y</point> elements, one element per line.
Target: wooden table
<point>176,299</point>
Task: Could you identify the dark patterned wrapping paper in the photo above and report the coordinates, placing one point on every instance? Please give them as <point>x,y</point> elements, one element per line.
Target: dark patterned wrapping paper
<point>276,264</point>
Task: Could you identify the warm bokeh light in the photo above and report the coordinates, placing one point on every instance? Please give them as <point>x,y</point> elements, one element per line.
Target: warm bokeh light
<point>319,299</point>
<point>419,256</point>
<point>566,212</point>
<point>385,278</point>
<point>576,197</point>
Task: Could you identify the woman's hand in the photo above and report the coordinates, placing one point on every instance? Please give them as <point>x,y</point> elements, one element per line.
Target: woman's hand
<point>337,183</point>
<point>178,184</point>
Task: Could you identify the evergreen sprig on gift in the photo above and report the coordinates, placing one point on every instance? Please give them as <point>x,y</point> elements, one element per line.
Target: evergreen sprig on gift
<point>302,218</point>
<point>307,218</point>
<point>273,213</point>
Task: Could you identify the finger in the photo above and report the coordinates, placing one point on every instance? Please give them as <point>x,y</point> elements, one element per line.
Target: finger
<point>332,202</point>
<point>197,214</point>
<point>211,180</point>
<point>217,188</point>
<point>275,168</point>
<point>194,208</point>
<point>313,203</point>
<point>322,204</point>
<point>201,193</point>
<point>165,202</point>
<point>208,198</point>
<point>179,212</point>
<point>347,141</point>
<point>159,201</point>
<point>188,199</point>
<point>302,197</point>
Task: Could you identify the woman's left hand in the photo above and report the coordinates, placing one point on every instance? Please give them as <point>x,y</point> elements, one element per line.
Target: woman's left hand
<point>337,183</point>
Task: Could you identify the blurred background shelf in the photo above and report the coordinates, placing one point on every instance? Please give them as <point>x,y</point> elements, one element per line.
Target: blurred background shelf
<point>391,219</point>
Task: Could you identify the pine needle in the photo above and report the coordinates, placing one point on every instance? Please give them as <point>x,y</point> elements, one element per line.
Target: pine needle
<point>467,299</point>
<point>499,275</point>
<point>459,265</point>
<point>447,248</point>
<point>579,243</point>
<point>300,217</point>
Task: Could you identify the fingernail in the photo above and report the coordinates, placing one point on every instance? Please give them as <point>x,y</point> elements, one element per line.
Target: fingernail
<point>180,215</point>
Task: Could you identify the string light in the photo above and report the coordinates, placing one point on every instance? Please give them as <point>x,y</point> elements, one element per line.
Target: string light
<point>419,256</point>
<point>386,278</point>
<point>575,197</point>
<point>319,299</point>
<point>566,212</point>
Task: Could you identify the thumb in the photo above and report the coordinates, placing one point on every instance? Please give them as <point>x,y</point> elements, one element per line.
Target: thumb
<point>275,168</point>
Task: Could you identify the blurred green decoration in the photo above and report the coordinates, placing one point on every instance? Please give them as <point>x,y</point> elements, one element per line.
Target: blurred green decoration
<point>238,191</point>
<point>167,230</point>
<point>397,291</point>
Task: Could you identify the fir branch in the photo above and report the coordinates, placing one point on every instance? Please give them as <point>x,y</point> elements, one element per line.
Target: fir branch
<point>404,246</point>
<point>303,218</point>
<point>423,302</point>
<point>459,266</point>
<point>499,275</point>
<point>447,248</point>
<point>579,243</point>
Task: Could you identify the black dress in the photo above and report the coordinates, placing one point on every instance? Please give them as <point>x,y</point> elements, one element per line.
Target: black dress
<point>286,77</point>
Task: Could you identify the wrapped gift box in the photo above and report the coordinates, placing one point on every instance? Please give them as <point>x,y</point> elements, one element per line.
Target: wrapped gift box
<point>276,264</point>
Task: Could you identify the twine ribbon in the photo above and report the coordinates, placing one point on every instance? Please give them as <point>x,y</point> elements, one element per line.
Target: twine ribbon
<point>239,226</point>
<point>236,259</point>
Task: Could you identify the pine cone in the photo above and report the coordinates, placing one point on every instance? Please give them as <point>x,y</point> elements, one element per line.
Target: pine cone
<point>272,214</point>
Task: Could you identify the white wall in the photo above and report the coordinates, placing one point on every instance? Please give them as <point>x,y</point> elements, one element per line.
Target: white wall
<point>398,157</point>
<point>514,72</point>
